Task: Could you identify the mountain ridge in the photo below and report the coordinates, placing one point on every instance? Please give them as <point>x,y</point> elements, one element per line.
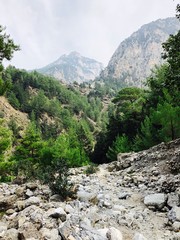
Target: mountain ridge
<point>73,67</point>
<point>134,58</point>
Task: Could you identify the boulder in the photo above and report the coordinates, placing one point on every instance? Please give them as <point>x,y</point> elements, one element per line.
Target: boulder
<point>11,234</point>
<point>157,200</point>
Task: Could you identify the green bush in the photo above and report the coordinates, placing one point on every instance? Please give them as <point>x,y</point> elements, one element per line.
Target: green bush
<point>56,176</point>
<point>91,168</point>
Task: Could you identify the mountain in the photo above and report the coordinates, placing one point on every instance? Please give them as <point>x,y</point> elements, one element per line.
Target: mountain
<point>73,67</point>
<point>133,60</point>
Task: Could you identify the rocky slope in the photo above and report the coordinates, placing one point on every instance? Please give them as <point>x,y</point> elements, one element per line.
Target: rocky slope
<point>137,55</point>
<point>7,112</point>
<point>135,198</point>
<point>73,67</point>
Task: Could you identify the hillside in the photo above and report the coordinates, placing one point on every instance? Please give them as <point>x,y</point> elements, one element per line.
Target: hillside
<point>8,113</point>
<point>133,60</point>
<point>73,67</point>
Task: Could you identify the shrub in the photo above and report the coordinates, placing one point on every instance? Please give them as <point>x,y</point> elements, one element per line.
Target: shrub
<point>91,168</point>
<point>56,176</point>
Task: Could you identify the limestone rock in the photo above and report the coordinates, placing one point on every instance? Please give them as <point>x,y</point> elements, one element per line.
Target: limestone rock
<point>139,236</point>
<point>50,234</point>
<point>3,229</point>
<point>57,213</point>
<point>137,55</point>
<point>174,214</point>
<point>32,201</point>
<point>157,200</point>
<point>11,234</point>
<point>114,234</point>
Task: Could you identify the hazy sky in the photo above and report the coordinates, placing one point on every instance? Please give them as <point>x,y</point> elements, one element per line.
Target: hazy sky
<point>47,29</point>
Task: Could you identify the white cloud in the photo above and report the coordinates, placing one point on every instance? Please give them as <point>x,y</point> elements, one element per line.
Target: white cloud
<point>46,29</point>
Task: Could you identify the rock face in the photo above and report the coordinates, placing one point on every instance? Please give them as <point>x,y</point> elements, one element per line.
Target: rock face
<point>137,55</point>
<point>73,67</point>
<point>118,202</point>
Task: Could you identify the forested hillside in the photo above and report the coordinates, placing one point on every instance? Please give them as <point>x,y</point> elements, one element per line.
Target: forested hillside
<point>145,117</point>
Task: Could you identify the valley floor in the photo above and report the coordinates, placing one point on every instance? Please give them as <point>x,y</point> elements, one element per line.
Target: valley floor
<point>134,198</point>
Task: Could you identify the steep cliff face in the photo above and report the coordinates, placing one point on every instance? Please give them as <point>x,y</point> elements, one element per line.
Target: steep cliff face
<point>73,67</point>
<point>137,55</point>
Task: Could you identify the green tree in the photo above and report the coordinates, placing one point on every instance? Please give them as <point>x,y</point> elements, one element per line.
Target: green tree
<point>5,139</point>
<point>120,145</point>
<point>5,144</point>
<point>172,55</point>
<point>162,124</point>
<point>27,153</point>
<point>7,48</point>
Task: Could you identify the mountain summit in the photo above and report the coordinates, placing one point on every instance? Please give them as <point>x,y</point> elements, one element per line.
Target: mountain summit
<point>133,60</point>
<point>73,67</point>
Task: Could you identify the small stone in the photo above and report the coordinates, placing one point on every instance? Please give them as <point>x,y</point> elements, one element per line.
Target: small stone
<point>85,196</point>
<point>29,193</point>
<point>31,185</point>
<point>176,236</point>
<point>32,201</point>
<point>173,200</point>
<point>139,236</point>
<point>20,205</point>
<point>10,211</point>
<point>68,209</point>
<point>174,214</point>
<point>176,226</point>
<point>50,234</point>
<point>107,204</point>
<point>71,238</point>
<point>3,229</point>
<point>55,198</point>
<point>114,234</point>
<point>20,191</point>
<point>58,213</point>
<point>124,195</point>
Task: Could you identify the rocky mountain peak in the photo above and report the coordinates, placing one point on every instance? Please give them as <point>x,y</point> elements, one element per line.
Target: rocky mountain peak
<point>137,55</point>
<point>73,67</point>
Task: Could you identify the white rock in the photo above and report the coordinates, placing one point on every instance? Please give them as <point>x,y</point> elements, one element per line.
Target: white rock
<point>114,234</point>
<point>157,200</point>
<point>139,236</point>
<point>11,234</point>
<point>174,214</point>
<point>3,229</point>
<point>32,201</point>
<point>50,234</point>
<point>29,193</point>
<point>68,209</point>
<point>176,226</point>
<point>57,213</point>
